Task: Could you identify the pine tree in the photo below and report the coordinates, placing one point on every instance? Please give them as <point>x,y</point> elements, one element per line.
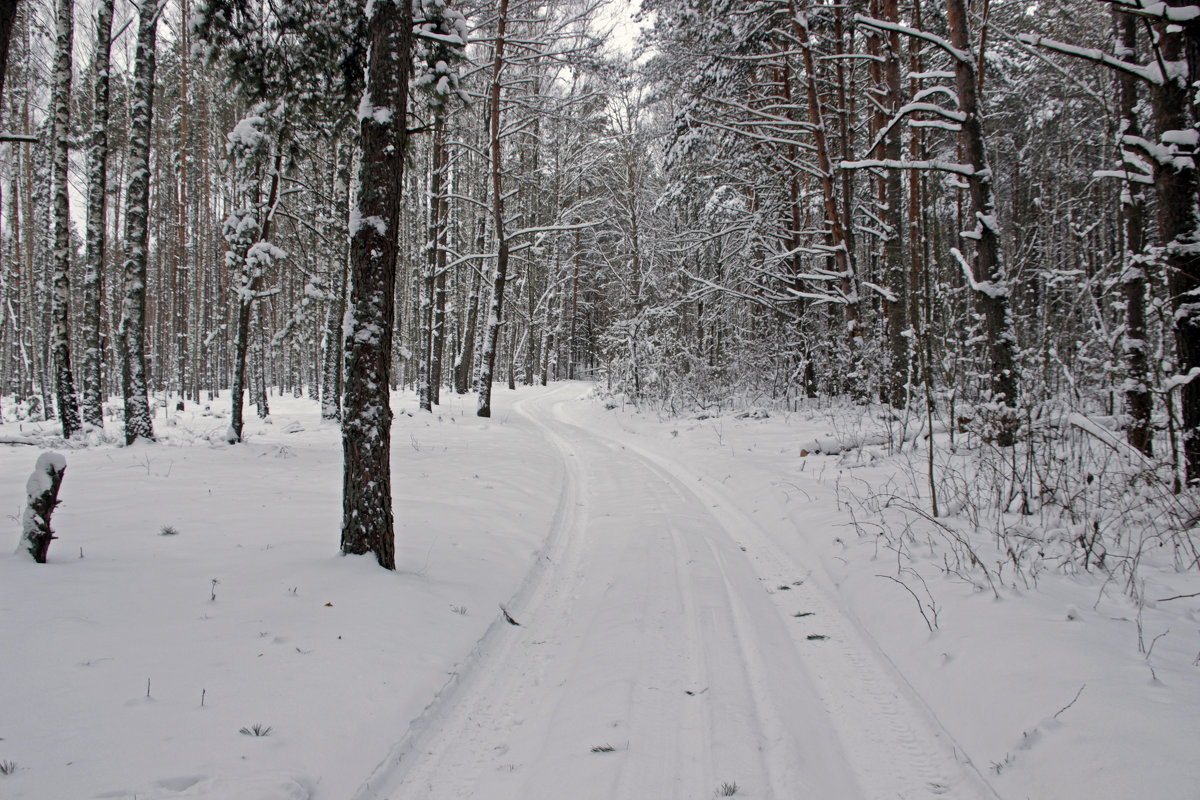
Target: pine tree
<point>367,521</point>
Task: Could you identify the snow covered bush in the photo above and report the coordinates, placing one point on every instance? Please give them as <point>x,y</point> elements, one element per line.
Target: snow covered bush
<point>41,499</point>
<point>1070,496</point>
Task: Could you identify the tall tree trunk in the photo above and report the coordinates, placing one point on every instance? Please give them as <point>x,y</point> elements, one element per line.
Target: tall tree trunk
<point>1138,398</point>
<point>183,259</point>
<point>251,281</point>
<point>433,257</point>
<point>838,242</point>
<point>331,348</point>
<point>8,15</point>
<point>438,334</point>
<point>496,309</point>
<point>367,524</point>
<point>893,246</point>
<point>97,225</point>
<point>989,283</point>
<point>133,312</point>
<point>463,363</point>
<point>60,338</point>
<point>1176,186</point>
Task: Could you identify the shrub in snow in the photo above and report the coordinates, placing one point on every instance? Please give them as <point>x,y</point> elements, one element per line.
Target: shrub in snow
<point>41,499</point>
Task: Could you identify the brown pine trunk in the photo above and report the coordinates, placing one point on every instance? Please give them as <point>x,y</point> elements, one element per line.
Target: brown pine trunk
<point>989,283</point>
<point>367,521</point>
<point>1138,398</point>
<point>1176,186</point>
<point>838,241</point>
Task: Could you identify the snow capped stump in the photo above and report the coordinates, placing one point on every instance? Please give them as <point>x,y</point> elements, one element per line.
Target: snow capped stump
<point>41,499</point>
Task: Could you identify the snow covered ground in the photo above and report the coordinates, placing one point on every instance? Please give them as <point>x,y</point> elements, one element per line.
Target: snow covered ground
<point>698,617</point>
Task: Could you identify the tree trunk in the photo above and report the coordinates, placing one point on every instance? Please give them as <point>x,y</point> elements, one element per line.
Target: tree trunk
<point>437,344</point>
<point>331,347</point>
<point>41,500</point>
<point>180,275</point>
<point>251,281</point>
<point>133,312</point>
<point>838,242</point>
<point>496,309</point>
<point>466,354</point>
<point>367,524</point>
<point>429,362</point>
<point>988,283</point>
<point>97,225</point>
<point>1176,185</point>
<point>1138,398</point>
<point>60,338</point>
<point>893,246</point>
<point>8,14</point>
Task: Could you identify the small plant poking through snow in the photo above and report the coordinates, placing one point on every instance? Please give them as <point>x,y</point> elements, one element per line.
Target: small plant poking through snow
<point>7,767</point>
<point>168,530</point>
<point>256,729</point>
<point>603,748</point>
<point>727,789</point>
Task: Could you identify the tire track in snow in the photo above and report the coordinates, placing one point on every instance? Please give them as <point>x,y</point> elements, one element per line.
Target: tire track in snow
<point>646,630</point>
<point>897,746</point>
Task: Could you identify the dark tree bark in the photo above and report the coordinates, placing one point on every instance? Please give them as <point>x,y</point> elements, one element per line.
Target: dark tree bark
<point>896,274</point>
<point>138,422</point>
<point>41,500</point>
<point>496,309</point>
<point>367,523</point>
<point>8,14</point>
<point>1138,398</point>
<point>988,282</point>
<point>60,337</point>
<point>837,233</point>
<point>1176,185</point>
<point>97,225</point>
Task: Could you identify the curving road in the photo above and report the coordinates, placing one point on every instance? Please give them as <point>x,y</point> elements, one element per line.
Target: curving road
<point>656,658</point>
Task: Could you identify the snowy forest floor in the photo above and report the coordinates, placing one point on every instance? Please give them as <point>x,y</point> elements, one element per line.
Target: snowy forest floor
<point>698,616</point>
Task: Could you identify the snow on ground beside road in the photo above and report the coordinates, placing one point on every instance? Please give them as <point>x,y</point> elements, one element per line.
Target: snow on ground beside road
<point>567,511</point>
<point>996,673</point>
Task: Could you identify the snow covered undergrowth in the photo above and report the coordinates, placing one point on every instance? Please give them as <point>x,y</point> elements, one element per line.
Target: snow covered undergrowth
<point>128,672</point>
<point>130,662</point>
<point>1044,688</point>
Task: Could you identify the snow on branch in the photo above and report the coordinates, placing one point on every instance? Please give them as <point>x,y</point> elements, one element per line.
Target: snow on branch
<point>955,117</point>
<point>1159,10</point>
<point>887,163</point>
<point>1150,74</point>
<point>989,288</point>
<point>916,33</point>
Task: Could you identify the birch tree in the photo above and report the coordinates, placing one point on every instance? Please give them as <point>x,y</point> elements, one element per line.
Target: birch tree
<point>60,339</point>
<point>132,333</point>
<point>97,222</point>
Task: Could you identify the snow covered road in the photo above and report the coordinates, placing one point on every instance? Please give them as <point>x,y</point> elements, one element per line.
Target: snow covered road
<point>661,654</point>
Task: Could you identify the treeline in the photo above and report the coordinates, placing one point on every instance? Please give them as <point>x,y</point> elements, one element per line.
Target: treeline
<point>253,148</point>
<point>984,211</point>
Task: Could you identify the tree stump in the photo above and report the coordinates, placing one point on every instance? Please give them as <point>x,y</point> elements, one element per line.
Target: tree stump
<point>41,498</point>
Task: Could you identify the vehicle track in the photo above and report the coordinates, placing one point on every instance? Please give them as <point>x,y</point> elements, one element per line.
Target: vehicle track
<point>651,662</point>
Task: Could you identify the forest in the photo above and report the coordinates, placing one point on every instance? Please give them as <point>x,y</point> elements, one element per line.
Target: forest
<point>761,398</point>
<point>979,215</point>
